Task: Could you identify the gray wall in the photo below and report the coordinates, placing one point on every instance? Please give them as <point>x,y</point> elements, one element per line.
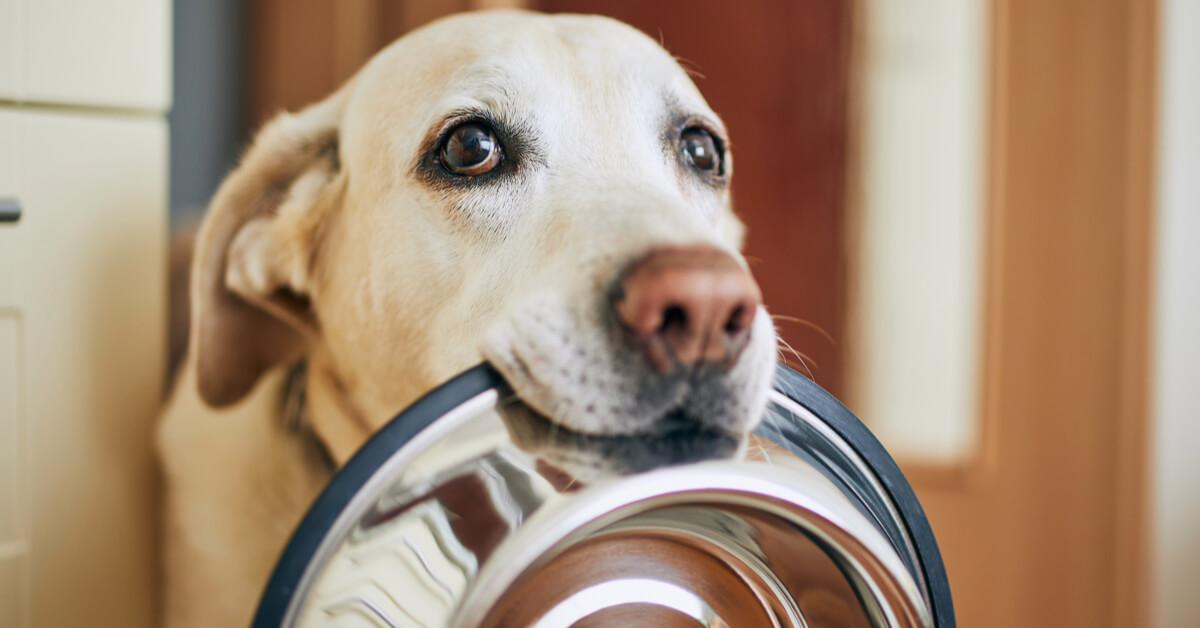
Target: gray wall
<point>206,119</point>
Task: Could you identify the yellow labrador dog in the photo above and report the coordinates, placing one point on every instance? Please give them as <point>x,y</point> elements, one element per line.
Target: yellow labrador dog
<point>547,193</point>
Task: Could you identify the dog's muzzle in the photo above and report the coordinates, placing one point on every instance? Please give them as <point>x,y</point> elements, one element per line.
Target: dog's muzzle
<point>446,518</point>
<point>683,307</point>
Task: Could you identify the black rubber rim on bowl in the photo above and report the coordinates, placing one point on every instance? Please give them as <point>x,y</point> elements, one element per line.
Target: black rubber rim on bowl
<point>839,418</point>
<point>303,545</point>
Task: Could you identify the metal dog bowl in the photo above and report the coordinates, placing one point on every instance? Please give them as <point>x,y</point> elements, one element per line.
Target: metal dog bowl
<point>453,516</point>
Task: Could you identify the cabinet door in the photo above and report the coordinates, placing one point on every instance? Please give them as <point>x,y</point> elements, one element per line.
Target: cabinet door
<point>85,335</point>
<point>115,53</point>
<point>11,50</point>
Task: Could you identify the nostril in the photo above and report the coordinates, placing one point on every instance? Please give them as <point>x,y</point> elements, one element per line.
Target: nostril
<point>685,306</point>
<point>735,324</point>
<point>742,317</point>
<point>673,317</point>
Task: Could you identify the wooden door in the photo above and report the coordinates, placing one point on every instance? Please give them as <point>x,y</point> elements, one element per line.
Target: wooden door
<point>1045,527</point>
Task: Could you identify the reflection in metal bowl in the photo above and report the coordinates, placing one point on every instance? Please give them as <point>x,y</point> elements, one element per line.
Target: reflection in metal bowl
<point>489,516</point>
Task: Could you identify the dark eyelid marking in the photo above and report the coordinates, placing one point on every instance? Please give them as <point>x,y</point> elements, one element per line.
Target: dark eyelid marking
<point>518,145</point>
<point>681,116</point>
<point>678,120</point>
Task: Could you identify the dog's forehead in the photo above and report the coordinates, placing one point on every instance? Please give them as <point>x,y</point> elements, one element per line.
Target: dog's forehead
<point>536,64</point>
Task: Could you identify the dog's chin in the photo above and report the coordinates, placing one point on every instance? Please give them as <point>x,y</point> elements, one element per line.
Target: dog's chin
<point>586,458</point>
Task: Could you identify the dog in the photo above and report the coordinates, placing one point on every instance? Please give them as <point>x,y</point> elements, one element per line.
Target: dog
<point>547,193</point>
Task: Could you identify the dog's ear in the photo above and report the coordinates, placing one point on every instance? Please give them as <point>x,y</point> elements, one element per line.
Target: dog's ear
<point>251,270</point>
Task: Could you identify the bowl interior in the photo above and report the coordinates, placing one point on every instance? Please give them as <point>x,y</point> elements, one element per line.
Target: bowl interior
<point>471,521</point>
<point>688,565</point>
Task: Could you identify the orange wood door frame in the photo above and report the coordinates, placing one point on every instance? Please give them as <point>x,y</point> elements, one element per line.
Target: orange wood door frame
<point>1047,527</point>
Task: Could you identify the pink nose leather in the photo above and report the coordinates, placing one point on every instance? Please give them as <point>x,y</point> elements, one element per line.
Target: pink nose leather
<point>684,306</point>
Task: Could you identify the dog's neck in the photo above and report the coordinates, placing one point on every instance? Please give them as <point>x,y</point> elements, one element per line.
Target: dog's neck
<point>317,405</point>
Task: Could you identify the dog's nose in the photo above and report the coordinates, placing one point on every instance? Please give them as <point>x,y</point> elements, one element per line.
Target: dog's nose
<point>687,305</point>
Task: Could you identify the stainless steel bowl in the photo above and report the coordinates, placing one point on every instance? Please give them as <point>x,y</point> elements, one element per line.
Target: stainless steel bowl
<point>468,510</point>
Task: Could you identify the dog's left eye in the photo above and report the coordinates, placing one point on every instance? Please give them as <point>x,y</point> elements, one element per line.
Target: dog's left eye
<point>471,149</point>
<point>701,149</point>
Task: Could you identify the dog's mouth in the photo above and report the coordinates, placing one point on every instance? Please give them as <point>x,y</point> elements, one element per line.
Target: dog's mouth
<point>676,438</point>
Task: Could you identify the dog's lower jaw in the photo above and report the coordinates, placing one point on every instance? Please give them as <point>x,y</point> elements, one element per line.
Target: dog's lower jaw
<point>586,458</point>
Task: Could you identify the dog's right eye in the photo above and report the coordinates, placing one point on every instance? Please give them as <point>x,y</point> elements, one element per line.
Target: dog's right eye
<point>701,150</point>
<point>471,149</point>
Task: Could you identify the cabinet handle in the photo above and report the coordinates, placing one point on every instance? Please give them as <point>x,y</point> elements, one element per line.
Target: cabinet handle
<point>10,211</point>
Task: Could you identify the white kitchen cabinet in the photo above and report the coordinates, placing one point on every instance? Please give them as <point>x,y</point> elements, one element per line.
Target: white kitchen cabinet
<point>82,309</point>
<point>94,53</point>
<point>81,355</point>
<point>11,50</point>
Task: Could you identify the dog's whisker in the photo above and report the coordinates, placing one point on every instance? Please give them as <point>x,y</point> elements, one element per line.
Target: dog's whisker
<point>766,456</point>
<point>772,422</point>
<point>806,323</point>
<point>780,356</point>
<point>556,423</point>
<point>784,358</point>
<point>799,356</point>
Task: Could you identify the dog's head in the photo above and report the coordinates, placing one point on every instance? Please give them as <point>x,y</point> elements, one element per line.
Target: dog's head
<point>548,193</point>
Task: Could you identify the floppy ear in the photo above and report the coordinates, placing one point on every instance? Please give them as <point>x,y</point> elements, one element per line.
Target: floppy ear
<point>250,273</point>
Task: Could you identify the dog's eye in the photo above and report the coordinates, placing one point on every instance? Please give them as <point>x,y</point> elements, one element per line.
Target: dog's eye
<point>701,149</point>
<point>471,149</point>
